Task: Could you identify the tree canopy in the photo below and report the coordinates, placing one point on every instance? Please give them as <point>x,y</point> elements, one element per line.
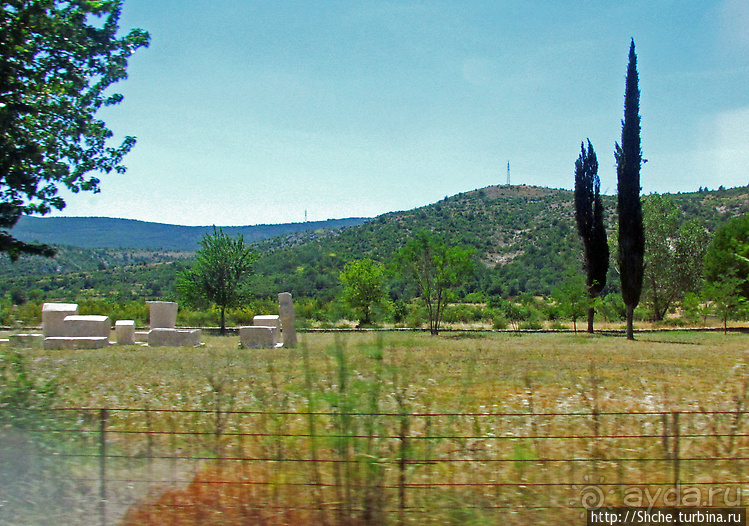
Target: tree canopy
<point>57,59</point>
<point>364,287</point>
<point>435,268</point>
<point>674,251</point>
<point>219,274</point>
<point>728,255</point>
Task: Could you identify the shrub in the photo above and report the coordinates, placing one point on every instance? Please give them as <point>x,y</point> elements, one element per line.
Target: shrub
<point>499,323</point>
<point>20,387</point>
<point>612,308</point>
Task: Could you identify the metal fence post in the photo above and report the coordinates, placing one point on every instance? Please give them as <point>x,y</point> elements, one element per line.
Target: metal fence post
<point>402,465</point>
<point>675,423</point>
<point>103,466</point>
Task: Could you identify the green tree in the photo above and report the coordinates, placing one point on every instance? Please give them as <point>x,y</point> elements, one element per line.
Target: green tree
<point>590,226</point>
<point>219,275</point>
<point>691,247</point>
<point>574,299</point>
<point>728,254</point>
<point>727,297</point>
<point>435,268</point>
<point>364,287</point>
<point>55,67</point>
<point>673,254</point>
<point>628,163</point>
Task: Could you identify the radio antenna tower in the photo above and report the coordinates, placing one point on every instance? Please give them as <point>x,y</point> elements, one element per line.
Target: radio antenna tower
<point>508,173</point>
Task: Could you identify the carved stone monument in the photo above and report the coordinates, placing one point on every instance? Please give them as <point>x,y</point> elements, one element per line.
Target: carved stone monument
<point>162,337</point>
<point>258,337</point>
<point>272,321</point>
<point>75,342</point>
<point>76,326</point>
<point>125,332</point>
<point>53,315</point>
<point>286,313</point>
<point>163,314</point>
<point>163,320</point>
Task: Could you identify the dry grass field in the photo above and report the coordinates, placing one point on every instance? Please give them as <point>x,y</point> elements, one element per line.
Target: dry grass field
<point>408,428</point>
<point>454,371</point>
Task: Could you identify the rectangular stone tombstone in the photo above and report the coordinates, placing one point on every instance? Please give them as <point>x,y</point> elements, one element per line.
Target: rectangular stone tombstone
<point>75,342</point>
<point>269,320</point>
<point>162,337</point>
<point>125,332</point>
<point>86,326</point>
<point>163,314</point>
<point>286,313</point>
<point>53,315</point>
<point>258,337</point>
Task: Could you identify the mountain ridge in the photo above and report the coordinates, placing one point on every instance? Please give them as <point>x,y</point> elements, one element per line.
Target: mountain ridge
<point>109,232</point>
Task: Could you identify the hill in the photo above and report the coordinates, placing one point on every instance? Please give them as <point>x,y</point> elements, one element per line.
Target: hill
<point>525,239</point>
<point>100,256</point>
<point>105,232</point>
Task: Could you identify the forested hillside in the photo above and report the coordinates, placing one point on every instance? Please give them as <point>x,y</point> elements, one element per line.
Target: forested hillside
<point>524,237</point>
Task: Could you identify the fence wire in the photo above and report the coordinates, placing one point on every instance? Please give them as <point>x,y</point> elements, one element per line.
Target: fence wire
<point>167,466</point>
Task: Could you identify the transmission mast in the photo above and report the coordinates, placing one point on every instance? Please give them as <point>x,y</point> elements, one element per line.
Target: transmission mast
<point>508,173</point>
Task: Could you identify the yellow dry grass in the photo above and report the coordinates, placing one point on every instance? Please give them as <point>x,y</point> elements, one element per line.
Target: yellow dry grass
<point>483,415</point>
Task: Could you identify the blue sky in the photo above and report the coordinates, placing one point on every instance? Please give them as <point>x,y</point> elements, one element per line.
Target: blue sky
<point>255,111</point>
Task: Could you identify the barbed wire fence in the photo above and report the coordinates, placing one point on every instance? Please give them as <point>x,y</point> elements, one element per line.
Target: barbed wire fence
<point>170,466</point>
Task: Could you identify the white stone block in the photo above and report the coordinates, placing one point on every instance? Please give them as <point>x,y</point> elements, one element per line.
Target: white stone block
<point>53,315</point>
<point>163,314</point>
<point>286,312</point>
<point>79,342</point>
<point>258,337</point>
<point>86,326</point>
<point>141,336</point>
<point>125,332</point>
<point>270,320</point>
<point>162,337</point>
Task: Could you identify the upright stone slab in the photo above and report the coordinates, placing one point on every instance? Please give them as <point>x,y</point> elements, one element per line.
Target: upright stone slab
<point>286,313</point>
<point>76,326</point>
<point>53,315</point>
<point>163,314</point>
<point>258,337</point>
<point>272,321</point>
<point>125,332</point>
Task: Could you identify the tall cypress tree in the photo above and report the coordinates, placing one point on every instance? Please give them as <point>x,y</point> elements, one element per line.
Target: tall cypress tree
<point>589,218</point>
<point>628,162</point>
